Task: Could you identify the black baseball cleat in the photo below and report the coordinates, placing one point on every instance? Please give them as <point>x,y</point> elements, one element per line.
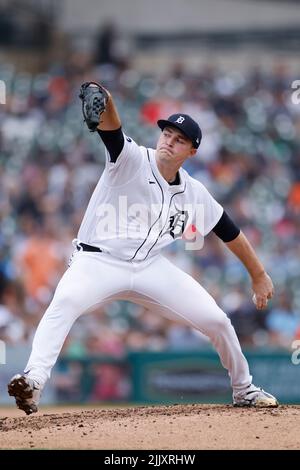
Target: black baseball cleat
<point>27,393</point>
<point>254,396</point>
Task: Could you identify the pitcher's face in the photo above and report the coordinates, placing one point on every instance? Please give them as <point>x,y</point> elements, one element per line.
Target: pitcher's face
<point>174,145</point>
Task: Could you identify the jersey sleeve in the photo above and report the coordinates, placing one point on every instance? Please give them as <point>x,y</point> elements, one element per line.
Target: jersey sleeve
<point>126,165</point>
<point>208,212</point>
<point>113,141</point>
<point>226,229</point>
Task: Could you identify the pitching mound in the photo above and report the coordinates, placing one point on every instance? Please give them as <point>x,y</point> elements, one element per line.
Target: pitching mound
<point>180,427</point>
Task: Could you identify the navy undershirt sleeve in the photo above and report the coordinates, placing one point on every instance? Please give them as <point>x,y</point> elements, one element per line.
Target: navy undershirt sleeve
<point>113,141</point>
<point>226,228</point>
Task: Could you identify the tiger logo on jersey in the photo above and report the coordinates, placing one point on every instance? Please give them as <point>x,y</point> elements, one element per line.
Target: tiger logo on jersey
<point>177,224</point>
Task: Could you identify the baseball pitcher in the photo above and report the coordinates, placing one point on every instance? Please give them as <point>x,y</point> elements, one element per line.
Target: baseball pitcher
<point>143,201</point>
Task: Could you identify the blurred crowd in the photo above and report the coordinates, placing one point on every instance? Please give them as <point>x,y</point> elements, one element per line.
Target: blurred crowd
<point>49,164</point>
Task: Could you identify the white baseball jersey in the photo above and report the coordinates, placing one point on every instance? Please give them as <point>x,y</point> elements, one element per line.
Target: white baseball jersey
<point>134,212</point>
<point>132,215</point>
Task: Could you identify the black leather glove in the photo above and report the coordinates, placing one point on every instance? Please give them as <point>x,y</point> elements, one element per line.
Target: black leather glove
<point>94,100</point>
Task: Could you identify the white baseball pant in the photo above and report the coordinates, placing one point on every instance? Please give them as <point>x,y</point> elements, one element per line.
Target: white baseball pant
<point>94,279</point>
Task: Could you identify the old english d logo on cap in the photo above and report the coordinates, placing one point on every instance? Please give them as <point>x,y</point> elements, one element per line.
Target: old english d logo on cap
<point>180,120</point>
<point>186,125</point>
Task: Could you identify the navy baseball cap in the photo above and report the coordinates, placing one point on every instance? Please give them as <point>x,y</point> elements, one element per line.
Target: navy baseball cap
<point>185,124</point>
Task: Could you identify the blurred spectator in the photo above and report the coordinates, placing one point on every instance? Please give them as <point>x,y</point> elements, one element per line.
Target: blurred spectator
<point>111,47</point>
<point>15,325</point>
<point>282,322</point>
<point>40,263</point>
<point>110,383</point>
<point>105,45</point>
<point>183,338</point>
<point>67,382</point>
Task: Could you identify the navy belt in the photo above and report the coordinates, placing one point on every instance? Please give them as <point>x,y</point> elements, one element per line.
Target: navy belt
<point>85,247</point>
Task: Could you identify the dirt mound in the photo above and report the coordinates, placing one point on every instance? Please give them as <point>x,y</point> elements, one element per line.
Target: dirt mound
<point>179,427</point>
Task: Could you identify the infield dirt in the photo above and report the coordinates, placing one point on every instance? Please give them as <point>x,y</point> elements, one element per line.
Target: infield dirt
<point>180,427</point>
